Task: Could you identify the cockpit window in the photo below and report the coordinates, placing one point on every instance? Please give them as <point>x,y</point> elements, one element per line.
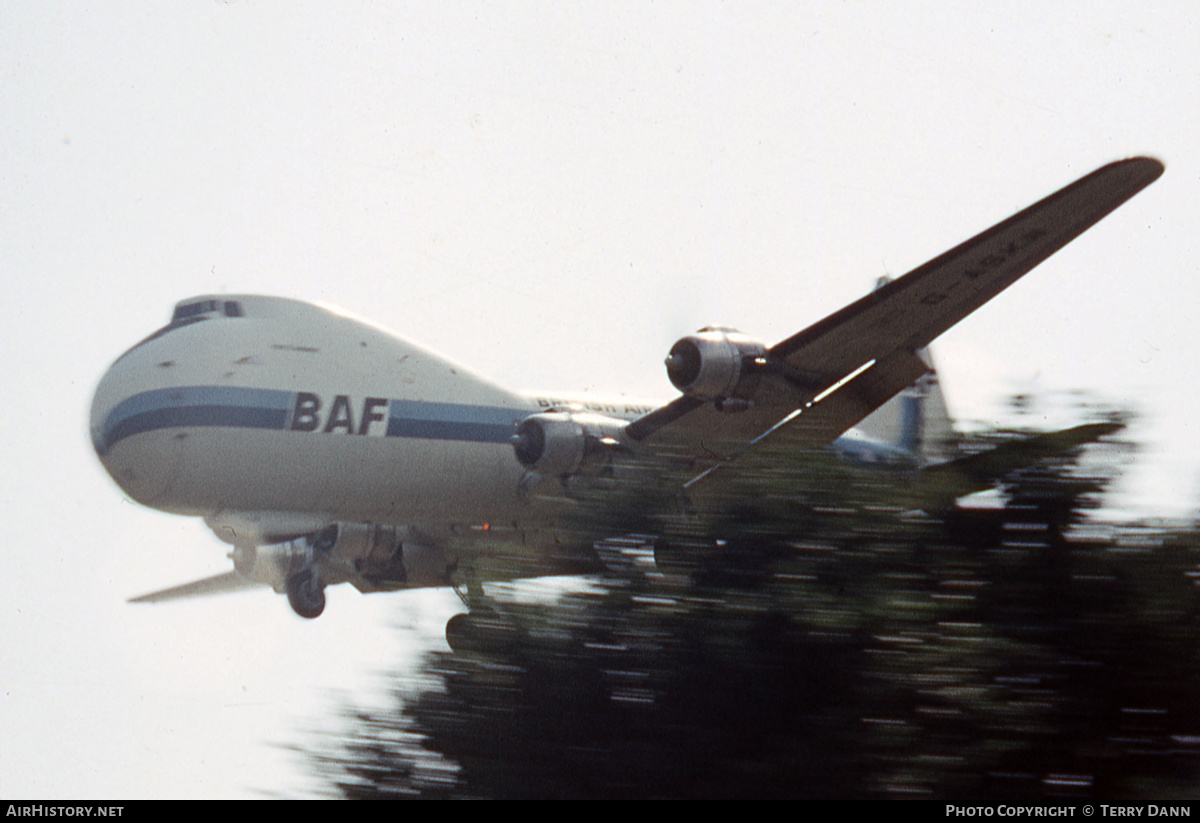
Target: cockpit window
<point>194,312</point>
<point>188,310</point>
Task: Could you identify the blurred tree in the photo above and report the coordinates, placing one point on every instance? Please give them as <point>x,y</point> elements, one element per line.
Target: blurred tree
<point>811,637</point>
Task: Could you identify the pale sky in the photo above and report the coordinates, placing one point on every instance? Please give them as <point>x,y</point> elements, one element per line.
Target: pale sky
<point>551,193</point>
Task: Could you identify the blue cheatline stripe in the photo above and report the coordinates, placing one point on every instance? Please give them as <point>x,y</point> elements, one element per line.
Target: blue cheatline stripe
<point>195,406</point>
<point>217,406</point>
<point>452,421</point>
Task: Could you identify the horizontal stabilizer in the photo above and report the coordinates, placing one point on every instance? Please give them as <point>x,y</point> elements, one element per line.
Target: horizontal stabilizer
<point>939,486</point>
<point>220,584</point>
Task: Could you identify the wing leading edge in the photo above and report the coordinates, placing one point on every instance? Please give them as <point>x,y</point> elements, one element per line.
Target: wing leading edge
<point>828,377</point>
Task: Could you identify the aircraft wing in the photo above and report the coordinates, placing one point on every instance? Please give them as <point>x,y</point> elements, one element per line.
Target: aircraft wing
<point>218,584</point>
<point>830,376</point>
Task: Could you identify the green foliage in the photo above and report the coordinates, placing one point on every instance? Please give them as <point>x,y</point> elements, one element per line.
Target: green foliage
<point>808,637</point>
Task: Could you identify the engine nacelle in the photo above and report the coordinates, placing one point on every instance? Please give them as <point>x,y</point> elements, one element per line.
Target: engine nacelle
<point>716,363</point>
<point>563,442</point>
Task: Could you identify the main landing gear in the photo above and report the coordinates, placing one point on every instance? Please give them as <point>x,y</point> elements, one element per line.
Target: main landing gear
<point>481,629</point>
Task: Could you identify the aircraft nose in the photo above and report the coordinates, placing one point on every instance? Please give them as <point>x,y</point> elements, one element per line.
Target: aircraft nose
<point>115,404</point>
<point>104,400</point>
<point>141,463</point>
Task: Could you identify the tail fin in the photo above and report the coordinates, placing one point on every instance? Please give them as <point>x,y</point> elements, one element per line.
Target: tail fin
<point>916,420</point>
<point>912,415</point>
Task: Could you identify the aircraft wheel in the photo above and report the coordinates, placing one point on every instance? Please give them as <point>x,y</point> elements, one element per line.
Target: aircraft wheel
<point>461,633</point>
<point>480,632</point>
<point>305,594</point>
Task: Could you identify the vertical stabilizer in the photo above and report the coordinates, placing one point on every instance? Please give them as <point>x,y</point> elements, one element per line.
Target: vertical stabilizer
<point>916,420</point>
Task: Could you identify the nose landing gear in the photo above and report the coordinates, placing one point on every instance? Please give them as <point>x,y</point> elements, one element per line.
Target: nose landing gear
<point>306,593</point>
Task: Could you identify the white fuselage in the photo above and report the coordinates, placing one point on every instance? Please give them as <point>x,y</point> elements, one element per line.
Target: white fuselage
<point>264,404</point>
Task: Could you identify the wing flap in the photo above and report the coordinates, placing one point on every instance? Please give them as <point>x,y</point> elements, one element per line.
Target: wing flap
<point>843,408</point>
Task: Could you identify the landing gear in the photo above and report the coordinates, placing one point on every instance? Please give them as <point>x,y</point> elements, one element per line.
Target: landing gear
<point>461,633</point>
<point>480,631</point>
<point>306,593</point>
<point>484,627</point>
